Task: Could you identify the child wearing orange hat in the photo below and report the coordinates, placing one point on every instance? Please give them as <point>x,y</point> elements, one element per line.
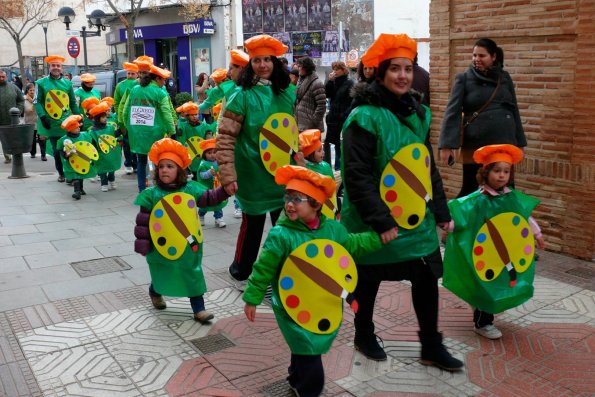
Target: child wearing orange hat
<point>78,154</point>
<point>306,259</point>
<point>489,257</point>
<point>85,91</point>
<point>217,93</point>
<point>190,133</point>
<point>207,175</point>
<point>105,137</point>
<point>167,229</point>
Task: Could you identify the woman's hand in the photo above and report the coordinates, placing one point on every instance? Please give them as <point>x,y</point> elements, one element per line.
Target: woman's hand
<point>540,242</point>
<point>250,312</point>
<point>231,188</point>
<point>445,155</point>
<point>389,235</point>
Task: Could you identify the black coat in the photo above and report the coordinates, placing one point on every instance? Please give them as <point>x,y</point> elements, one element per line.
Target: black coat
<point>337,91</point>
<point>499,123</point>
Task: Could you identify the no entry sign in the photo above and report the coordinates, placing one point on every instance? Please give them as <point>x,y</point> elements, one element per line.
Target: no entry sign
<point>74,47</point>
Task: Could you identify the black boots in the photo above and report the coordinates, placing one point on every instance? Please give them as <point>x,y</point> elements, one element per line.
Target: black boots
<point>368,345</point>
<point>42,149</point>
<point>434,353</point>
<point>78,189</point>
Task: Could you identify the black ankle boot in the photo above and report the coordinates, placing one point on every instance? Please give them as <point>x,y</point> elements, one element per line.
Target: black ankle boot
<point>77,189</point>
<point>434,353</point>
<point>368,345</point>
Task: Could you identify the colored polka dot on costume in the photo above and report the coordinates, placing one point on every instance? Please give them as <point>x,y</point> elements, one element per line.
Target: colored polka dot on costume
<point>328,251</point>
<point>413,219</point>
<point>157,226</point>
<point>273,166</point>
<point>324,324</point>
<point>158,213</point>
<point>525,232</point>
<point>489,274</point>
<point>522,262</point>
<point>292,301</point>
<point>191,203</point>
<point>396,211</point>
<point>275,123</point>
<point>285,122</point>
<point>479,265</point>
<point>389,180</point>
<point>478,250</point>
<point>177,199</point>
<point>528,249</point>
<point>161,241</point>
<point>344,262</point>
<point>516,220</point>
<point>264,144</point>
<point>311,250</point>
<point>286,283</point>
<point>172,251</point>
<point>416,153</point>
<point>481,237</point>
<point>304,317</point>
<point>391,196</point>
<point>427,161</point>
<point>266,156</point>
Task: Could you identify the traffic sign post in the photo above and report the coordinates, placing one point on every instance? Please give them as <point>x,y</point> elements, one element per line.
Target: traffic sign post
<point>74,47</point>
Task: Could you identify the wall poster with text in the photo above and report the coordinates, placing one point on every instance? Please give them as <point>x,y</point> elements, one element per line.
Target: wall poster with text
<point>296,15</point>
<point>307,44</point>
<point>252,15</point>
<point>273,16</point>
<point>319,15</point>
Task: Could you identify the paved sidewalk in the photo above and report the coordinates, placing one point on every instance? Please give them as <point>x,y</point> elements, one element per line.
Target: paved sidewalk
<point>76,319</point>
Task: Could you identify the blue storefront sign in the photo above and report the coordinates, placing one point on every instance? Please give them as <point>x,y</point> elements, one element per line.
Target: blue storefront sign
<point>194,28</point>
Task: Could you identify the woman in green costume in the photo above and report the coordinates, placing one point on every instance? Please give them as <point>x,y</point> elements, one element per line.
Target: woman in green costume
<point>264,91</point>
<point>173,242</point>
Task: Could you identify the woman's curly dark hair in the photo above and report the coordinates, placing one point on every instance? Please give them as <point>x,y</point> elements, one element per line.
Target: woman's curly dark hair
<point>279,78</point>
<point>360,73</point>
<point>307,64</point>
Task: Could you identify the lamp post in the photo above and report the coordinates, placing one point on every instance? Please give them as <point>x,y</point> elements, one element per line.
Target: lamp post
<point>44,25</point>
<point>96,19</point>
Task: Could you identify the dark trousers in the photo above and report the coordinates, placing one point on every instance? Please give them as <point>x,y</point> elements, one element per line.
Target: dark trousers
<point>129,157</point>
<point>57,156</point>
<point>197,302</point>
<point>207,118</point>
<point>306,375</point>
<point>33,151</point>
<point>481,318</point>
<point>107,177</point>
<point>141,171</point>
<point>424,292</point>
<point>248,243</point>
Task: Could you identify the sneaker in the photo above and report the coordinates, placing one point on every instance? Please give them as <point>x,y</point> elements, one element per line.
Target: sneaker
<point>76,195</point>
<point>113,185</point>
<point>158,302</point>
<point>104,188</point>
<point>369,347</point>
<point>220,223</point>
<point>237,213</point>
<point>203,317</point>
<point>202,220</point>
<point>489,331</point>
<point>61,178</point>
<point>240,285</point>
<point>7,161</point>
<point>128,170</point>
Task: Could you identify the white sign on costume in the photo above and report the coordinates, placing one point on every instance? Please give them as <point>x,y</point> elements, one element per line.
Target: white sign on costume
<point>142,115</point>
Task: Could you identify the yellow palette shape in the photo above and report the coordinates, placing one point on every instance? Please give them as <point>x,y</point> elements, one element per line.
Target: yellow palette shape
<point>81,159</point>
<point>278,141</point>
<point>330,209</point>
<point>406,186</point>
<point>193,146</point>
<point>57,103</point>
<point>107,143</point>
<point>313,282</point>
<point>505,241</point>
<point>174,225</point>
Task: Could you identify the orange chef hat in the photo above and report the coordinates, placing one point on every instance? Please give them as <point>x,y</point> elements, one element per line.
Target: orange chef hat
<point>487,155</point>
<point>263,44</point>
<point>207,144</point>
<point>219,75</point>
<point>88,78</point>
<point>388,46</point>
<point>144,58</point>
<point>306,181</point>
<point>169,149</point>
<point>103,107</point>
<point>89,103</point>
<point>71,122</point>
<point>160,72</point>
<point>109,100</point>
<point>190,108</point>
<point>310,141</point>
<point>55,59</point>
<point>130,67</point>
<point>240,58</point>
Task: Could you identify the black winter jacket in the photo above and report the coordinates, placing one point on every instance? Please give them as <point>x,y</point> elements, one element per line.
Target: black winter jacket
<point>338,92</point>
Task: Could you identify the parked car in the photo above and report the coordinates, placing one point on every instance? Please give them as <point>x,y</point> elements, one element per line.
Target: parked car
<point>106,81</point>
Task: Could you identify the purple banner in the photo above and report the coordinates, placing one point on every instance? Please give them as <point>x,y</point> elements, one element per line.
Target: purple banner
<point>252,16</point>
<point>273,16</point>
<point>307,44</point>
<point>195,28</point>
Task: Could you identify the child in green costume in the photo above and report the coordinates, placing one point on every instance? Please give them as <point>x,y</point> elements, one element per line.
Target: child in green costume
<point>173,242</point>
<point>108,148</point>
<point>207,175</point>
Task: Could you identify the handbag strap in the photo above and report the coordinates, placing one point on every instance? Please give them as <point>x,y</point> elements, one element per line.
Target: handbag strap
<point>485,105</point>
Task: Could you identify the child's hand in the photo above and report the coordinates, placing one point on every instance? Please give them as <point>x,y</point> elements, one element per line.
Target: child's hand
<point>389,235</point>
<point>213,172</point>
<point>250,312</point>
<point>540,242</point>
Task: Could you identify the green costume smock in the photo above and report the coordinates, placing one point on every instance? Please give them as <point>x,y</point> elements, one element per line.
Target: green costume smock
<point>392,135</point>
<point>147,115</point>
<point>323,168</point>
<point>474,270</point>
<point>112,160</point>
<point>184,276</point>
<point>282,239</point>
<point>69,172</point>
<point>186,131</point>
<point>206,165</point>
<point>81,94</point>
<point>214,96</point>
<point>119,92</point>
<point>54,98</point>
<point>257,191</point>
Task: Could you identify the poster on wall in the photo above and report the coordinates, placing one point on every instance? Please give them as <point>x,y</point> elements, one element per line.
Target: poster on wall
<point>252,15</point>
<point>284,38</point>
<point>202,61</point>
<point>307,44</point>
<point>331,41</point>
<point>273,16</point>
<point>319,14</point>
<point>296,15</point>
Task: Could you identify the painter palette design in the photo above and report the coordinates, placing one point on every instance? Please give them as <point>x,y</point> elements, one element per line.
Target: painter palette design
<point>193,146</point>
<point>107,143</point>
<point>329,207</point>
<point>174,225</point>
<point>313,282</point>
<point>278,140</point>
<point>57,103</point>
<point>503,242</point>
<point>406,186</point>
<point>81,160</point>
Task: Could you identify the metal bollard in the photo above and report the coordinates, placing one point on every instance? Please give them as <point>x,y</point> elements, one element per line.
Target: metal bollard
<point>16,139</point>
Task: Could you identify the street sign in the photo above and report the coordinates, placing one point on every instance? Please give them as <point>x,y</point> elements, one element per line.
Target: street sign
<point>73,33</point>
<point>352,58</point>
<point>74,47</point>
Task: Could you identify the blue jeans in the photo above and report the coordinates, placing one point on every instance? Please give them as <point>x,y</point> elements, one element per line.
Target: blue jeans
<point>218,214</point>
<point>141,171</point>
<point>197,302</point>
<point>107,176</point>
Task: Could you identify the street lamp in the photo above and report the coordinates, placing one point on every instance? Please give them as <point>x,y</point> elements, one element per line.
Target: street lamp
<point>44,25</point>
<point>96,19</point>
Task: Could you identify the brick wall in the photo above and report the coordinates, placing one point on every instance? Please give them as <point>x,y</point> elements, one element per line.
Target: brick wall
<point>549,52</point>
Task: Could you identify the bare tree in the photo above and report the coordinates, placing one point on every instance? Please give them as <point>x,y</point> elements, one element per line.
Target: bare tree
<point>19,17</point>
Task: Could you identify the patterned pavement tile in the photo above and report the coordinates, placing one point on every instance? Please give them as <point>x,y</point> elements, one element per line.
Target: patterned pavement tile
<point>582,302</point>
<point>151,377</point>
<point>548,290</point>
<point>557,313</point>
<point>16,379</point>
<point>121,322</point>
<point>55,338</point>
